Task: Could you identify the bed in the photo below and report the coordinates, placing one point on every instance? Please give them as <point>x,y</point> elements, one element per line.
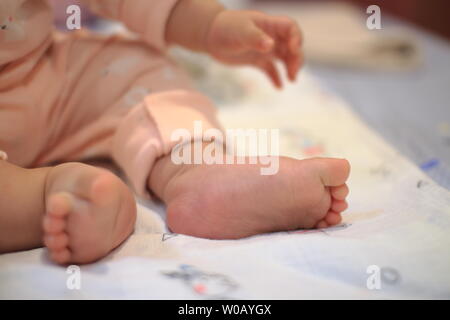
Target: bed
<point>393,242</point>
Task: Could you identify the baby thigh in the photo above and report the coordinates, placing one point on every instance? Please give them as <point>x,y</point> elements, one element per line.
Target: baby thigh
<point>106,78</point>
<point>126,72</point>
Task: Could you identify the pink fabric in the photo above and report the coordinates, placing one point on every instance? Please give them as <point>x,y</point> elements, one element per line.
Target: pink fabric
<point>77,96</point>
<point>145,134</point>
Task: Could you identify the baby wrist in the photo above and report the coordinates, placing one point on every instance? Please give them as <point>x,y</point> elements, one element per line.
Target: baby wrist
<point>190,23</point>
<point>214,13</point>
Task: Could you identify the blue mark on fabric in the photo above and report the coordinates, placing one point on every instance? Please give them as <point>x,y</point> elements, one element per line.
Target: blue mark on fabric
<point>430,164</point>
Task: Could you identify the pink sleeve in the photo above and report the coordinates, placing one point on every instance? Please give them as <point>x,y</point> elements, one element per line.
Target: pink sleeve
<point>145,133</point>
<point>148,18</point>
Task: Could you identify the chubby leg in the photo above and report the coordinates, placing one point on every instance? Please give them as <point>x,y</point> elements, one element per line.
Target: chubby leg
<point>22,207</point>
<point>79,212</point>
<point>235,201</point>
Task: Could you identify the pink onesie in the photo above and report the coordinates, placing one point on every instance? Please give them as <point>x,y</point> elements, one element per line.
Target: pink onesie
<point>76,96</point>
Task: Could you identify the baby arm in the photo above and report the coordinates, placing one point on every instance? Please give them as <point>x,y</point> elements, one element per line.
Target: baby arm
<point>190,22</point>
<point>230,36</point>
<point>237,37</point>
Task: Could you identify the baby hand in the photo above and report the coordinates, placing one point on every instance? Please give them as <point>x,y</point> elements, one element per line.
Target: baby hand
<point>255,38</point>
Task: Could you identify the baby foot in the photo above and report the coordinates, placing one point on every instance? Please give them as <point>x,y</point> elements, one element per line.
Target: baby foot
<point>235,201</point>
<point>89,212</point>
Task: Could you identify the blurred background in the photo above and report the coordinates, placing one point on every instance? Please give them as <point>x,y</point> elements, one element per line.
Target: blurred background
<point>396,79</point>
<point>432,15</point>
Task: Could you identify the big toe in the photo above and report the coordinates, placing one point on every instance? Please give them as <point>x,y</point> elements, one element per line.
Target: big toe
<point>333,172</point>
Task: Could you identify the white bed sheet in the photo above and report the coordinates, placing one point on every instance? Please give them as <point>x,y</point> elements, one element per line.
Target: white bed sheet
<point>398,221</point>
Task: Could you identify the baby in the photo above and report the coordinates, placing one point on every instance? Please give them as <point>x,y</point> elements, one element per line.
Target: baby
<point>74,97</point>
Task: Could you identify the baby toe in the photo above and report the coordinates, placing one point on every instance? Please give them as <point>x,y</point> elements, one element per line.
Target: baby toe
<point>60,204</point>
<point>333,172</point>
<point>56,242</point>
<point>60,256</point>
<point>333,218</point>
<point>53,225</point>
<point>339,206</point>
<point>322,224</point>
<point>340,193</point>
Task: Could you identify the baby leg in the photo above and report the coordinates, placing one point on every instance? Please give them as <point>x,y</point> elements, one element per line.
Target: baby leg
<point>22,207</point>
<point>79,212</point>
